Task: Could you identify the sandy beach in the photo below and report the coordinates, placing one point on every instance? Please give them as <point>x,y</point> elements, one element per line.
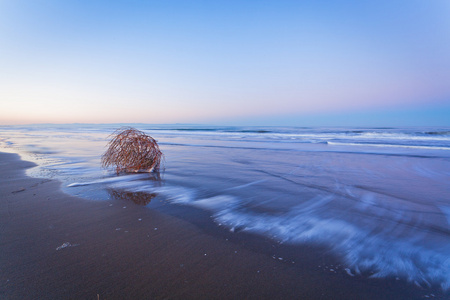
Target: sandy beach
<point>55,246</point>
<point>225,150</point>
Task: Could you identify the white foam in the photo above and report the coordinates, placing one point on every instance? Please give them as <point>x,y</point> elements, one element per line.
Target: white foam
<point>109,180</point>
<point>246,185</point>
<point>349,272</point>
<point>217,203</point>
<point>361,249</point>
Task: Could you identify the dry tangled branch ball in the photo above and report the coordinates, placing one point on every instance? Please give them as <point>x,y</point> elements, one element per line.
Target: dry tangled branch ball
<point>131,150</point>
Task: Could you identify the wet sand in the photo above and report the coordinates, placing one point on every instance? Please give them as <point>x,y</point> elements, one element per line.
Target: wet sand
<point>55,246</point>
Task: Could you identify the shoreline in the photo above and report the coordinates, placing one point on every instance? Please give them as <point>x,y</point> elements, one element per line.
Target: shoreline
<point>57,246</point>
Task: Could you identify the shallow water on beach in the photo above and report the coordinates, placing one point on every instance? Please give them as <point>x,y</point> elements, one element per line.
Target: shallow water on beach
<point>376,198</point>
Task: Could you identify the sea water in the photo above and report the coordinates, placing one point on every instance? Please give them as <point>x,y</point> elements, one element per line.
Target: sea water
<point>377,198</point>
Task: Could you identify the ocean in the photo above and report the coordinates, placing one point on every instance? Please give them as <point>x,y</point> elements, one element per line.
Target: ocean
<point>376,199</point>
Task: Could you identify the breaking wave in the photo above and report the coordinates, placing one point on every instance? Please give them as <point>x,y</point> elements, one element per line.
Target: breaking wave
<point>383,244</point>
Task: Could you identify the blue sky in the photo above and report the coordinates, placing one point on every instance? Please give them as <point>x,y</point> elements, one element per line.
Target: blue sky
<point>239,62</point>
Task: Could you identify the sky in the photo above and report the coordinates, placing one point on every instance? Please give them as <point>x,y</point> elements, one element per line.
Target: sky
<point>225,62</point>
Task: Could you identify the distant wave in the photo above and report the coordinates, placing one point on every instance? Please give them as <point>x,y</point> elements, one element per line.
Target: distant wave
<point>389,145</point>
<point>252,131</point>
<point>225,130</point>
<point>187,129</point>
<point>438,132</point>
